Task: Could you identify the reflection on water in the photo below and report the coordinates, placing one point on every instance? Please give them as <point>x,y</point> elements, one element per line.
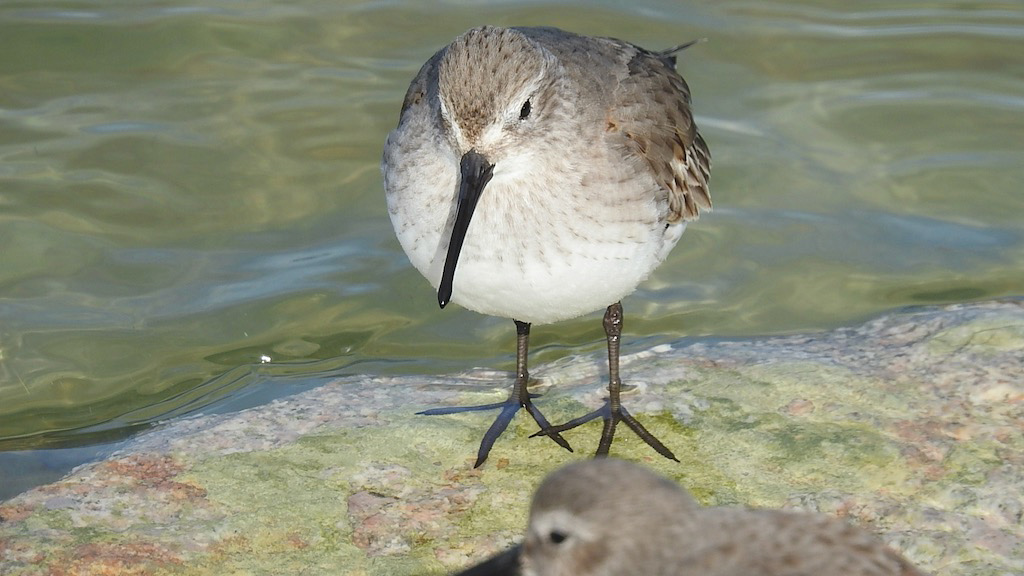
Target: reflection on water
<point>190,204</point>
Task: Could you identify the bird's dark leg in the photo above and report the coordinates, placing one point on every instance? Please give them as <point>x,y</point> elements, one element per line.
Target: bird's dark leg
<point>613,411</point>
<point>519,398</point>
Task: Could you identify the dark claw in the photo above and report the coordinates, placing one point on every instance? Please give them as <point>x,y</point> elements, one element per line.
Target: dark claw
<point>508,411</point>
<point>491,436</point>
<point>646,436</point>
<point>547,431</point>
<point>543,423</point>
<point>611,418</point>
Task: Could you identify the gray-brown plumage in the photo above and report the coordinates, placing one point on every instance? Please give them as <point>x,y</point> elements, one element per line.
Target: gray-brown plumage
<point>584,523</point>
<point>540,175</point>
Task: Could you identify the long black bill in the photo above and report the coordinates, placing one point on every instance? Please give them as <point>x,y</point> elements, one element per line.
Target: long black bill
<point>502,564</point>
<point>476,172</point>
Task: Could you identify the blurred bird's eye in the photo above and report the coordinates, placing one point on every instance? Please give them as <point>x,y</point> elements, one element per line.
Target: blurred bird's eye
<point>557,537</point>
<point>524,112</point>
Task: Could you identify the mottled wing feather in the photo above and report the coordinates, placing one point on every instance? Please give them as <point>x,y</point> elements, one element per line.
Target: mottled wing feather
<point>652,110</point>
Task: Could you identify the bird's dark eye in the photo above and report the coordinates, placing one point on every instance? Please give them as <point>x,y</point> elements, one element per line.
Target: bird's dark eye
<point>524,112</point>
<point>557,537</point>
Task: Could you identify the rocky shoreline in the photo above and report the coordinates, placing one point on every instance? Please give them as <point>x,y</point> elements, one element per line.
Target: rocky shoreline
<point>911,426</point>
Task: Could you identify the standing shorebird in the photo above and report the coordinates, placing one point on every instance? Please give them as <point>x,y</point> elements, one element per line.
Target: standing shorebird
<point>540,175</point>
<point>658,529</point>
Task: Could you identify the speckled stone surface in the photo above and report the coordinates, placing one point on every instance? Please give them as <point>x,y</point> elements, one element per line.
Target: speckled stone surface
<point>911,426</point>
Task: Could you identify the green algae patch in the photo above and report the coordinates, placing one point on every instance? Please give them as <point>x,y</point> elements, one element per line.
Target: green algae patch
<point>987,335</point>
<point>374,499</point>
<point>768,457</point>
<point>827,390</point>
<point>778,428</point>
<point>969,464</point>
<point>326,501</point>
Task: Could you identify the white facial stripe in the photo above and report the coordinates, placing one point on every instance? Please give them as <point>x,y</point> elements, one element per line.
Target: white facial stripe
<point>450,120</point>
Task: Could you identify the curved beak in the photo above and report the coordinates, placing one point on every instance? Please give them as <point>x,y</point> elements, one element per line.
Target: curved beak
<point>502,564</point>
<point>476,172</point>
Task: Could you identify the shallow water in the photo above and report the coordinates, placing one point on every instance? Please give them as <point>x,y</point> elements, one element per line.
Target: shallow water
<point>191,213</point>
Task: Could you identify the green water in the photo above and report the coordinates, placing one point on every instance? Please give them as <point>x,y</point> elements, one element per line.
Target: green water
<point>191,210</point>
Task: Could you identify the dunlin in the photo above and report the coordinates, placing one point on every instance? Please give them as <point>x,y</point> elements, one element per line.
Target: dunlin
<point>583,524</point>
<point>540,175</point>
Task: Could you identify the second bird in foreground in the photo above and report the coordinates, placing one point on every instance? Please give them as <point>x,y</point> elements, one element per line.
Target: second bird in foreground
<point>540,175</point>
<point>575,529</point>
